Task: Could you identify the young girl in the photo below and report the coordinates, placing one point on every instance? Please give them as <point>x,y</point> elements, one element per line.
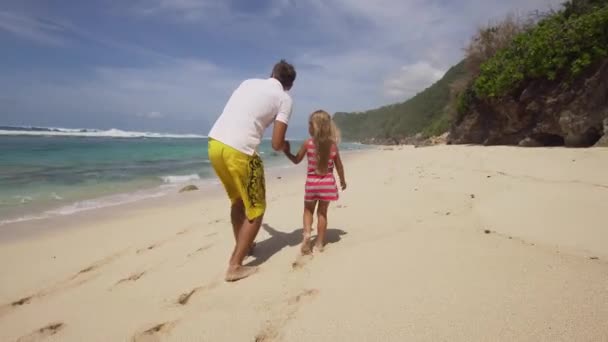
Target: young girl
<point>322,153</point>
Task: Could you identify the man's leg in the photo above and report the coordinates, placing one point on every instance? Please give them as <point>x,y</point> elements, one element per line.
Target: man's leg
<point>237,216</point>
<point>246,235</point>
<point>218,156</point>
<point>253,195</point>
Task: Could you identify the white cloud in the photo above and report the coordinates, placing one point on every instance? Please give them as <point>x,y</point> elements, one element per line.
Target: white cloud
<point>171,92</point>
<point>396,48</point>
<point>209,10</point>
<point>190,10</point>
<point>41,31</point>
<point>411,79</point>
<point>151,115</point>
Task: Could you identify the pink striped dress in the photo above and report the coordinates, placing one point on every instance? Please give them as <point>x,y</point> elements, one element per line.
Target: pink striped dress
<point>320,187</point>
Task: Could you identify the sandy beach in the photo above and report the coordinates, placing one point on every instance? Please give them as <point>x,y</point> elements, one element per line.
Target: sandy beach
<point>446,243</point>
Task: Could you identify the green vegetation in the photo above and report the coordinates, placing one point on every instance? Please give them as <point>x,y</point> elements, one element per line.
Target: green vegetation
<point>425,113</point>
<point>501,60</point>
<point>559,47</point>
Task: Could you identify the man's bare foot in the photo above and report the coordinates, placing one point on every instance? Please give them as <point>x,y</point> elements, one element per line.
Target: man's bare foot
<point>305,249</point>
<point>319,248</point>
<point>239,272</point>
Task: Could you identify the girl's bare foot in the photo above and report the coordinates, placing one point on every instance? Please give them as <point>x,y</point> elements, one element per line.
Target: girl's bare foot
<point>319,248</point>
<point>305,249</point>
<point>235,273</point>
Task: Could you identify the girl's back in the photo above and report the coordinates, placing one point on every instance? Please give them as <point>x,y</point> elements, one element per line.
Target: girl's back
<point>320,187</point>
<point>312,157</point>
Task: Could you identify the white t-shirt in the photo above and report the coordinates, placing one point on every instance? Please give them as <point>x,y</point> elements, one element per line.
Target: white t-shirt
<point>253,106</point>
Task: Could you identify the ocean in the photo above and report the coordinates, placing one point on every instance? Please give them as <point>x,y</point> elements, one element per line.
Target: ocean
<point>46,172</point>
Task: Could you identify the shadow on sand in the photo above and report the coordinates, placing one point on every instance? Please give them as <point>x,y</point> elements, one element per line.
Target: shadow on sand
<point>278,240</point>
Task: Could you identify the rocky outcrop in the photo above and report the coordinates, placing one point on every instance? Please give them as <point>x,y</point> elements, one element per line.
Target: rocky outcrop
<point>189,188</point>
<point>417,140</point>
<point>603,142</point>
<point>541,113</point>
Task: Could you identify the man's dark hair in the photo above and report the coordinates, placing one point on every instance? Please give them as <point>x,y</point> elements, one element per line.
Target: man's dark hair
<point>284,73</point>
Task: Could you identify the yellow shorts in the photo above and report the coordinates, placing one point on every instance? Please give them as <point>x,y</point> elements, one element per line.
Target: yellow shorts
<point>242,176</point>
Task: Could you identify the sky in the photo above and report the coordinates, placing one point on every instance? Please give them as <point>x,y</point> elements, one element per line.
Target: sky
<point>170,65</point>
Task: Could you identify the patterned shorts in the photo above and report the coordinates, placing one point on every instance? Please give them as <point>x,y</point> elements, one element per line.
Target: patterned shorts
<point>242,176</point>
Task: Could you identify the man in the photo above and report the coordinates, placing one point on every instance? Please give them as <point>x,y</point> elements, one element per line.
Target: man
<point>233,143</point>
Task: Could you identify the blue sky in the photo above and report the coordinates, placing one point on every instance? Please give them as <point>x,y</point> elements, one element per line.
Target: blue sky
<point>170,65</point>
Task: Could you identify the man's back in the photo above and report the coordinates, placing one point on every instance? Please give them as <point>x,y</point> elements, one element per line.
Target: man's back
<point>253,106</point>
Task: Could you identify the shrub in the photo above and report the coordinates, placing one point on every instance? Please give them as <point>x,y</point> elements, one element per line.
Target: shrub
<point>492,38</point>
<point>562,45</point>
<point>465,99</point>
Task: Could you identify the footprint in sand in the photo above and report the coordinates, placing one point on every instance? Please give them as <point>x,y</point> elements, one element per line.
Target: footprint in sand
<point>8,307</point>
<point>162,242</point>
<point>43,332</point>
<point>132,277</point>
<point>22,301</point>
<point>75,280</point>
<point>270,333</point>
<point>86,270</point>
<point>96,265</point>
<point>272,329</point>
<point>149,248</point>
<point>184,298</point>
<point>303,295</point>
<point>301,261</point>
<point>187,229</point>
<point>200,250</point>
<point>155,333</point>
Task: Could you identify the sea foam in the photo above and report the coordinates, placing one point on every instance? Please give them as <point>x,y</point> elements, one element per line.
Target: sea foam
<point>85,132</point>
<point>180,179</point>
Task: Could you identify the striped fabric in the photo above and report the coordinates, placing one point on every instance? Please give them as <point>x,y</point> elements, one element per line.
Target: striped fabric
<point>320,187</point>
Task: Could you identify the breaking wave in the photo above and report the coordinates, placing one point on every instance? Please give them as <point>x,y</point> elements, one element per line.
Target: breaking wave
<point>86,132</point>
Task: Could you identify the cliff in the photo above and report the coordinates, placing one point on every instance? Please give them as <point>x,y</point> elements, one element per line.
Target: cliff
<point>549,87</point>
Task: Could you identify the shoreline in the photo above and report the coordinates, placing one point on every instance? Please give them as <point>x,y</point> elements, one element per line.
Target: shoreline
<point>40,205</point>
<point>207,188</point>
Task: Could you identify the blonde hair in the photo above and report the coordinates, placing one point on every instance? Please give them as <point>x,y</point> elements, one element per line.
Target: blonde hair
<point>324,135</point>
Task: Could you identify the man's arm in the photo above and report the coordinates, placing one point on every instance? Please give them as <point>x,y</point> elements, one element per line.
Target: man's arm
<point>278,135</point>
<point>296,159</point>
<point>280,123</point>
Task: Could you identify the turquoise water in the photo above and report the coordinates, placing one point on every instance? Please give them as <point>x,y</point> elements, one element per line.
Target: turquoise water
<point>62,174</point>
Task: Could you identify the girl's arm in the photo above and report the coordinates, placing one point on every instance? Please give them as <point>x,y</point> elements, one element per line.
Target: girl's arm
<point>340,169</point>
<point>298,157</point>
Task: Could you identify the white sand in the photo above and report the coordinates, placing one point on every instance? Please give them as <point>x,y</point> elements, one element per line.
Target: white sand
<point>409,259</point>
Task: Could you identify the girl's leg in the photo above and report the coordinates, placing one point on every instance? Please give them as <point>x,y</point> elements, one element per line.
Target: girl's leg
<point>321,225</point>
<point>309,210</point>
